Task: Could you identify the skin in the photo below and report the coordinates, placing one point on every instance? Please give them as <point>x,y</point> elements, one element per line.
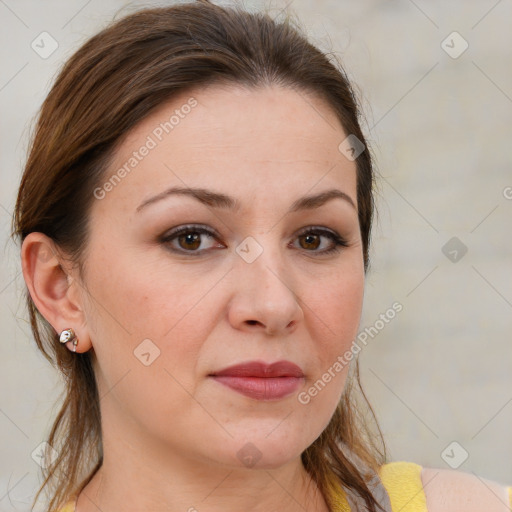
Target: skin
<point>171,434</point>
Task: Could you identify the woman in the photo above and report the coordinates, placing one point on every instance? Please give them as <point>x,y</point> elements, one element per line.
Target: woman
<point>195,219</point>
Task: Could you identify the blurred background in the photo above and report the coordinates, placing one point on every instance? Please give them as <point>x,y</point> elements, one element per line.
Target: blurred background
<point>435,83</point>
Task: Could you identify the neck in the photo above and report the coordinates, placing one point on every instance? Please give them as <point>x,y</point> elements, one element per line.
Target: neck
<point>131,488</point>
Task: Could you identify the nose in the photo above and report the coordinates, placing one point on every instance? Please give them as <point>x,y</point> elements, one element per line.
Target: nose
<point>263,296</point>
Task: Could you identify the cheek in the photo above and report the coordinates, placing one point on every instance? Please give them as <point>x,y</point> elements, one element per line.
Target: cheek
<point>336,309</point>
<point>334,317</point>
<point>147,331</point>
<point>137,300</point>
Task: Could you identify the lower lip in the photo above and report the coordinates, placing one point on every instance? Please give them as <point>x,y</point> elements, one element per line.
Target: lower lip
<point>267,388</point>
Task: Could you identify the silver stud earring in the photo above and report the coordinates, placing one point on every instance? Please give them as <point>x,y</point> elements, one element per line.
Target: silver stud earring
<point>68,335</point>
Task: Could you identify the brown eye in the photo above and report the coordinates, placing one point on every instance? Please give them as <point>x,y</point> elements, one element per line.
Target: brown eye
<point>190,241</point>
<point>310,241</point>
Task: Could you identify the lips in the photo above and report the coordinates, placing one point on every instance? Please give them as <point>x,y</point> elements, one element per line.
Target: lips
<point>262,381</point>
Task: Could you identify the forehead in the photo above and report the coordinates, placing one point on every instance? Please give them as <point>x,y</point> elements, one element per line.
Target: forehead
<point>241,139</point>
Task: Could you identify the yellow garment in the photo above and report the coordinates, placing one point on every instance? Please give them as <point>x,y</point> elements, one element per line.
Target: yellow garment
<point>68,507</point>
<point>402,481</point>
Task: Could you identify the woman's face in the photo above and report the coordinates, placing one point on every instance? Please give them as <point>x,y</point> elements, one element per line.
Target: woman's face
<point>167,312</point>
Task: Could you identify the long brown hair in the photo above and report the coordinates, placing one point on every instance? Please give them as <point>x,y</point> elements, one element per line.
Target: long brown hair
<point>110,84</point>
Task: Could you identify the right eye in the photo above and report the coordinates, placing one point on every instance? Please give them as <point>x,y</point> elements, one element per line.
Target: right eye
<point>188,239</point>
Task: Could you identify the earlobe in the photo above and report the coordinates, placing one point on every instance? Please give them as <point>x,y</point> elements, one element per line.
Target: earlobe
<point>49,283</point>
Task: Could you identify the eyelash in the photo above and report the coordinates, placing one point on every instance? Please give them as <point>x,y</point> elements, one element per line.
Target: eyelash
<point>338,241</point>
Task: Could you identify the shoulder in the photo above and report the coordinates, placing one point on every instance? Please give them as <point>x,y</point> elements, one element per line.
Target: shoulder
<point>448,490</point>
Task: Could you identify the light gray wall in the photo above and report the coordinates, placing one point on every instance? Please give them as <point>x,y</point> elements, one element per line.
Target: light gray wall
<point>441,370</point>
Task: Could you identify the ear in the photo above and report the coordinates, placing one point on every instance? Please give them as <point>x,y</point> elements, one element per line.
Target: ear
<point>53,288</point>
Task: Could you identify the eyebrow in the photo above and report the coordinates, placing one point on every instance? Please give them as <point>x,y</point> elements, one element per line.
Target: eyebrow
<point>218,200</point>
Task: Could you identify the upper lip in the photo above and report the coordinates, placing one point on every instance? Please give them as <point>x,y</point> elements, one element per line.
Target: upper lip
<point>261,369</point>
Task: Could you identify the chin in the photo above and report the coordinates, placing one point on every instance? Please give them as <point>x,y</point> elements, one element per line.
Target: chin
<point>261,450</point>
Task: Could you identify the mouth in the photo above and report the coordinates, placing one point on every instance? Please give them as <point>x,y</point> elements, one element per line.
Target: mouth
<point>262,381</point>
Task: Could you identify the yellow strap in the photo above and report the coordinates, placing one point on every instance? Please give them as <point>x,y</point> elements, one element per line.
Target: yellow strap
<point>338,497</point>
<point>69,506</point>
<point>510,497</point>
<point>402,481</point>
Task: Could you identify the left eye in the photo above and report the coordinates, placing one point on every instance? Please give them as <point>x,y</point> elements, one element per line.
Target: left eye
<point>311,239</point>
